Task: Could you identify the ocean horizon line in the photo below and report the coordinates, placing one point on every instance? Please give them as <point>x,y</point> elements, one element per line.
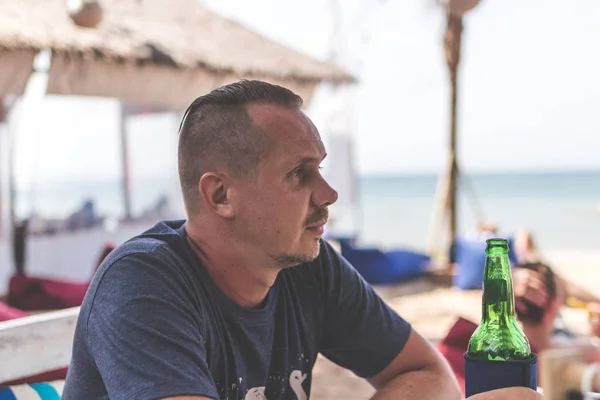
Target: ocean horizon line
<point>484,174</point>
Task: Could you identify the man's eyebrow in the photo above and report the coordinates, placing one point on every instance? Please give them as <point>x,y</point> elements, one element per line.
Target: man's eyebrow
<point>310,159</point>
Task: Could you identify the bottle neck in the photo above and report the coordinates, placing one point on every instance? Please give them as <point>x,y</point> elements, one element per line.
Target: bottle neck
<point>498,297</point>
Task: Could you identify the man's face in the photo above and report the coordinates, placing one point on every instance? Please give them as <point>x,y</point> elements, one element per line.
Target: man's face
<point>282,212</point>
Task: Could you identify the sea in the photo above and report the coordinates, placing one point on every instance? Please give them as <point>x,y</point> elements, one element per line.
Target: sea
<point>560,209</point>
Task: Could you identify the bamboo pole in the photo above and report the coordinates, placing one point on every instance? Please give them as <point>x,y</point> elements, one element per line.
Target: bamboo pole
<point>452,47</point>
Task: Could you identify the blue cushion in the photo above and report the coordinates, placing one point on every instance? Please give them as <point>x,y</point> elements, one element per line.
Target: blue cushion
<point>384,267</point>
<point>470,260</point>
<point>34,391</point>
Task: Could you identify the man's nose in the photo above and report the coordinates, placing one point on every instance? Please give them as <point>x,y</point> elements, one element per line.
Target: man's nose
<point>324,195</point>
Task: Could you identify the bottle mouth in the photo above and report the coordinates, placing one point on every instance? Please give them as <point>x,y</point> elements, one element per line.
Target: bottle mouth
<point>497,242</point>
<point>497,245</point>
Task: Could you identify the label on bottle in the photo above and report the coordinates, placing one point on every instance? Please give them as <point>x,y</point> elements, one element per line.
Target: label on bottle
<point>495,291</point>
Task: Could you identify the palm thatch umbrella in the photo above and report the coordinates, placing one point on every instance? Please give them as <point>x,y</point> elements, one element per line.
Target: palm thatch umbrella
<point>155,52</point>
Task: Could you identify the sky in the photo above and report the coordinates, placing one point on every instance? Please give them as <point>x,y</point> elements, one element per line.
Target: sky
<point>529,92</point>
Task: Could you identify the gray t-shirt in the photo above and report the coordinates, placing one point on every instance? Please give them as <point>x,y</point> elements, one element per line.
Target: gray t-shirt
<point>153,325</point>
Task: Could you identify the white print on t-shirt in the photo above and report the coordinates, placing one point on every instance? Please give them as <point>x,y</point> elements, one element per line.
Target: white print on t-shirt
<point>257,393</point>
<point>296,379</point>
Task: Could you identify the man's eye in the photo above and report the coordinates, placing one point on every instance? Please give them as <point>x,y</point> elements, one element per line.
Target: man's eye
<point>299,173</point>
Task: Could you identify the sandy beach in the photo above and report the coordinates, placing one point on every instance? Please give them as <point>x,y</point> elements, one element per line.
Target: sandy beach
<point>433,309</point>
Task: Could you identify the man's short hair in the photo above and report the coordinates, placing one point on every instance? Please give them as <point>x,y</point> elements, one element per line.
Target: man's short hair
<point>534,313</point>
<point>217,132</point>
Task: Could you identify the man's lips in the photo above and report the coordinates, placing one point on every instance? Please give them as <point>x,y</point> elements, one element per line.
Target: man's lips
<point>317,224</point>
<point>318,227</point>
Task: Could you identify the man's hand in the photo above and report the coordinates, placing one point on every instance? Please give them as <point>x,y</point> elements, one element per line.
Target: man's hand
<point>513,393</point>
<point>529,285</point>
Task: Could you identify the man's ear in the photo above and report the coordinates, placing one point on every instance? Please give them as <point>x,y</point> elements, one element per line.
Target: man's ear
<point>213,191</point>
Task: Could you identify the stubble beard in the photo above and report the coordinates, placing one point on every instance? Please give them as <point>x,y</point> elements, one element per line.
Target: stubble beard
<point>293,260</point>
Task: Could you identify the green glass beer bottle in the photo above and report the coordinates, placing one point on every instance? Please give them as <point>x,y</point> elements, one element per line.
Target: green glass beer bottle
<point>498,337</point>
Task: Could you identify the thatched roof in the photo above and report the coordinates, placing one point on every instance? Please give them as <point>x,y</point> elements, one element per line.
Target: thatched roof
<point>169,36</point>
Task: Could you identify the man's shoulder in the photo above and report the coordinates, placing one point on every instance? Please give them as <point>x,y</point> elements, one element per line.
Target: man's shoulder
<point>163,233</point>
<point>156,255</point>
<point>160,240</point>
<point>150,265</point>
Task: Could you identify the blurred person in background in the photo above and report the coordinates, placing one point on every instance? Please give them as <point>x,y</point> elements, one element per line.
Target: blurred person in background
<point>531,286</point>
<point>539,321</point>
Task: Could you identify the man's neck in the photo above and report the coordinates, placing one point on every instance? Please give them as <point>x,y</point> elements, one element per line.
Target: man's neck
<point>244,279</point>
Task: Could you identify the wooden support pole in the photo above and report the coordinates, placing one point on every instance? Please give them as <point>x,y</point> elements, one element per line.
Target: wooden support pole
<point>126,177</point>
<point>452,47</point>
<point>3,117</point>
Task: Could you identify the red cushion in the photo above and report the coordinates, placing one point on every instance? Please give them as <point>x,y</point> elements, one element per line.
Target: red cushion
<point>30,293</point>
<point>43,377</point>
<point>7,312</point>
<point>454,345</point>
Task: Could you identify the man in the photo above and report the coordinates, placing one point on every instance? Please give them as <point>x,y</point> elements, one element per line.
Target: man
<point>539,320</point>
<point>237,301</point>
<point>532,291</point>
<point>529,284</point>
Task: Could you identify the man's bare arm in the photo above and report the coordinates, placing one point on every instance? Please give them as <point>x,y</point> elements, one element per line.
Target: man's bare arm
<point>581,294</point>
<point>417,372</point>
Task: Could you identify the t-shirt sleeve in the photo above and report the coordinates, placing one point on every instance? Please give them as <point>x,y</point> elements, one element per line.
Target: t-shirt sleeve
<point>361,333</point>
<point>144,334</point>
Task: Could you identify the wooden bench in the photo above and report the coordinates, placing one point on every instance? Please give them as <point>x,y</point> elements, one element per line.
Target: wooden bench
<point>36,343</point>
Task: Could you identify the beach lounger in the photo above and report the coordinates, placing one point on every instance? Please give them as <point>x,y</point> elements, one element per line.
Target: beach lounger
<point>31,349</point>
